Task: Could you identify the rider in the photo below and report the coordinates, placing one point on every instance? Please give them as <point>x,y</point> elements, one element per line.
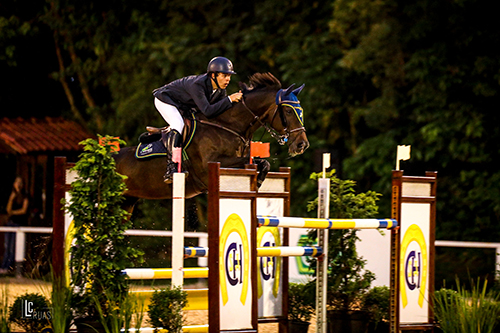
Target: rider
<point>205,92</point>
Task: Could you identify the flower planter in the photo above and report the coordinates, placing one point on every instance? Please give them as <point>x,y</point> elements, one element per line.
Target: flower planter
<point>87,325</point>
<point>298,326</point>
<point>347,321</point>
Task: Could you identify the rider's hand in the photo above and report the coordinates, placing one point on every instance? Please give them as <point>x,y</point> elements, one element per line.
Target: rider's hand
<point>236,97</point>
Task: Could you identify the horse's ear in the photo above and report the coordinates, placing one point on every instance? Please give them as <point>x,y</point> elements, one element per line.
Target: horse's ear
<point>243,85</point>
<point>298,90</point>
<point>289,90</point>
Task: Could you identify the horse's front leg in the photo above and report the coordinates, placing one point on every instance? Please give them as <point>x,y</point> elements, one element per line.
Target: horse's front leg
<point>263,167</point>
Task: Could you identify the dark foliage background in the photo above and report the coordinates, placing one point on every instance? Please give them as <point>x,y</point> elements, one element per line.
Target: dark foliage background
<point>377,73</point>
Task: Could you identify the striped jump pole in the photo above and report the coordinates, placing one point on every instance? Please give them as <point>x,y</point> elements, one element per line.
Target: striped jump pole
<point>197,298</point>
<point>178,201</point>
<point>165,273</point>
<point>277,251</point>
<point>312,223</point>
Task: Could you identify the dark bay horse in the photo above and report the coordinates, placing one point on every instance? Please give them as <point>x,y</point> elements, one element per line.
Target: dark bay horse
<point>225,140</point>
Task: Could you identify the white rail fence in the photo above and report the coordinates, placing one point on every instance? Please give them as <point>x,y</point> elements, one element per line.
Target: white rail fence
<point>20,252</point>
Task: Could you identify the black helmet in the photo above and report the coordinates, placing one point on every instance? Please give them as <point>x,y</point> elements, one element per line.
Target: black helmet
<point>220,64</point>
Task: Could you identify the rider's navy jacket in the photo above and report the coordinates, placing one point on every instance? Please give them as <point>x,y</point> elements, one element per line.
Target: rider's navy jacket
<point>194,92</point>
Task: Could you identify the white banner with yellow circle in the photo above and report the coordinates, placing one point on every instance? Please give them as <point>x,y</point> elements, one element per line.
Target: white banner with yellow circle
<point>270,273</point>
<point>414,262</point>
<point>235,264</point>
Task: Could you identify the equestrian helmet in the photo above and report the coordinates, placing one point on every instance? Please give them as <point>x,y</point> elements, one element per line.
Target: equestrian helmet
<point>220,65</point>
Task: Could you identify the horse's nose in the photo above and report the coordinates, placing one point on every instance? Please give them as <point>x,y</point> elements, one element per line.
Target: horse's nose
<point>303,145</point>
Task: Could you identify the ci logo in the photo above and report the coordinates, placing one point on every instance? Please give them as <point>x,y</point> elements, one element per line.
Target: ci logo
<point>414,265</point>
<point>234,252</point>
<point>269,267</point>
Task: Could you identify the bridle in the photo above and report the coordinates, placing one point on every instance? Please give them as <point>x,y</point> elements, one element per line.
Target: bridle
<point>280,138</point>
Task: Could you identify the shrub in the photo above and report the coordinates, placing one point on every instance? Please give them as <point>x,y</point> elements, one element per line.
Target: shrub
<point>165,309</point>
<point>467,311</point>
<point>376,302</point>
<point>39,312</point>
<point>348,281</point>
<point>301,301</point>
<point>101,250</point>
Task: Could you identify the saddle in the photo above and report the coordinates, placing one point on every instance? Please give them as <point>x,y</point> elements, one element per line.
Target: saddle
<point>151,143</point>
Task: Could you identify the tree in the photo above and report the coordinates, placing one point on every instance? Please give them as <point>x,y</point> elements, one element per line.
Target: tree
<point>432,66</point>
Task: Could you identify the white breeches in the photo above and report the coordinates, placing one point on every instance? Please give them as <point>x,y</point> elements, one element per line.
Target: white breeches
<point>171,115</point>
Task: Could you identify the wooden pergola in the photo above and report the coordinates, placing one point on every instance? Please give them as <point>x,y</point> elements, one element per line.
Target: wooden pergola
<point>31,144</point>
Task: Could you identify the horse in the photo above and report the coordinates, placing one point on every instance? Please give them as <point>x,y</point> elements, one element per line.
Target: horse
<point>225,139</point>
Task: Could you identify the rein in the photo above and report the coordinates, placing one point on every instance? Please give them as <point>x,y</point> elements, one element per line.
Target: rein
<point>281,139</point>
<point>245,141</point>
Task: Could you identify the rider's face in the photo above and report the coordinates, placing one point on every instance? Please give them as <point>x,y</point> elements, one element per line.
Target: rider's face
<point>222,79</point>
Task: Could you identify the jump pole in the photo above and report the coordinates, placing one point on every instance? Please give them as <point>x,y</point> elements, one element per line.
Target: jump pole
<point>268,251</point>
<point>178,199</point>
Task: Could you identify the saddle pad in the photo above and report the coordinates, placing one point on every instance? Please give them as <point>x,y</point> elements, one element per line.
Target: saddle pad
<point>152,149</point>
<point>153,146</point>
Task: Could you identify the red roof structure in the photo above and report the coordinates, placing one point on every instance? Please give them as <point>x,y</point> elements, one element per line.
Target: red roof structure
<point>37,135</point>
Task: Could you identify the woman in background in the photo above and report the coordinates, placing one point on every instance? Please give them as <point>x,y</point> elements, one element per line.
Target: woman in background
<point>17,209</point>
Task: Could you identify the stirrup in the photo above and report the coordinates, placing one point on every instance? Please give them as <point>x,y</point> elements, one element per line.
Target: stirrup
<point>168,179</point>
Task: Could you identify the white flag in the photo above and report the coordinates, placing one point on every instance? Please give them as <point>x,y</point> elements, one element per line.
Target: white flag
<point>403,154</point>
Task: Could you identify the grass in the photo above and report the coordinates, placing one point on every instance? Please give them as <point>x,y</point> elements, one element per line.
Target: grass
<point>4,309</point>
<point>467,311</point>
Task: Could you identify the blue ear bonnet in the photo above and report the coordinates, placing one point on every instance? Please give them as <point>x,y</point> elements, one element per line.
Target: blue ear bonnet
<point>289,98</point>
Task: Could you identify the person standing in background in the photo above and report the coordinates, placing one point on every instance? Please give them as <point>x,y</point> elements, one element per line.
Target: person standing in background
<point>17,209</point>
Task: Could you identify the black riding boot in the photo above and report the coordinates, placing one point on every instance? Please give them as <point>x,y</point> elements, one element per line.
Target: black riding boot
<point>173,142</point>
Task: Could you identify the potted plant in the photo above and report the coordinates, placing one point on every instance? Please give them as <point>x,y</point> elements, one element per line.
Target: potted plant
<point>348,281</point>
<point>376,302</point>
<point>100,251</point>
<point>121,313</point>
<point>165,309</point>
<point>300,306</point>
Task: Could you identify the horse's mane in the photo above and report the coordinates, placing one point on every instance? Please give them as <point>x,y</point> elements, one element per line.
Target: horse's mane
<point>262,81</point>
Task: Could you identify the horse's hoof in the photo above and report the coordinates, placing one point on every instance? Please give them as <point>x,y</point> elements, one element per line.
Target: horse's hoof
<point>168,180</point>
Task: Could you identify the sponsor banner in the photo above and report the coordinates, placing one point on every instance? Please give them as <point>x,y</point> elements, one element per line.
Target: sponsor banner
<point>235,264</point>
<point>414,263</point>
